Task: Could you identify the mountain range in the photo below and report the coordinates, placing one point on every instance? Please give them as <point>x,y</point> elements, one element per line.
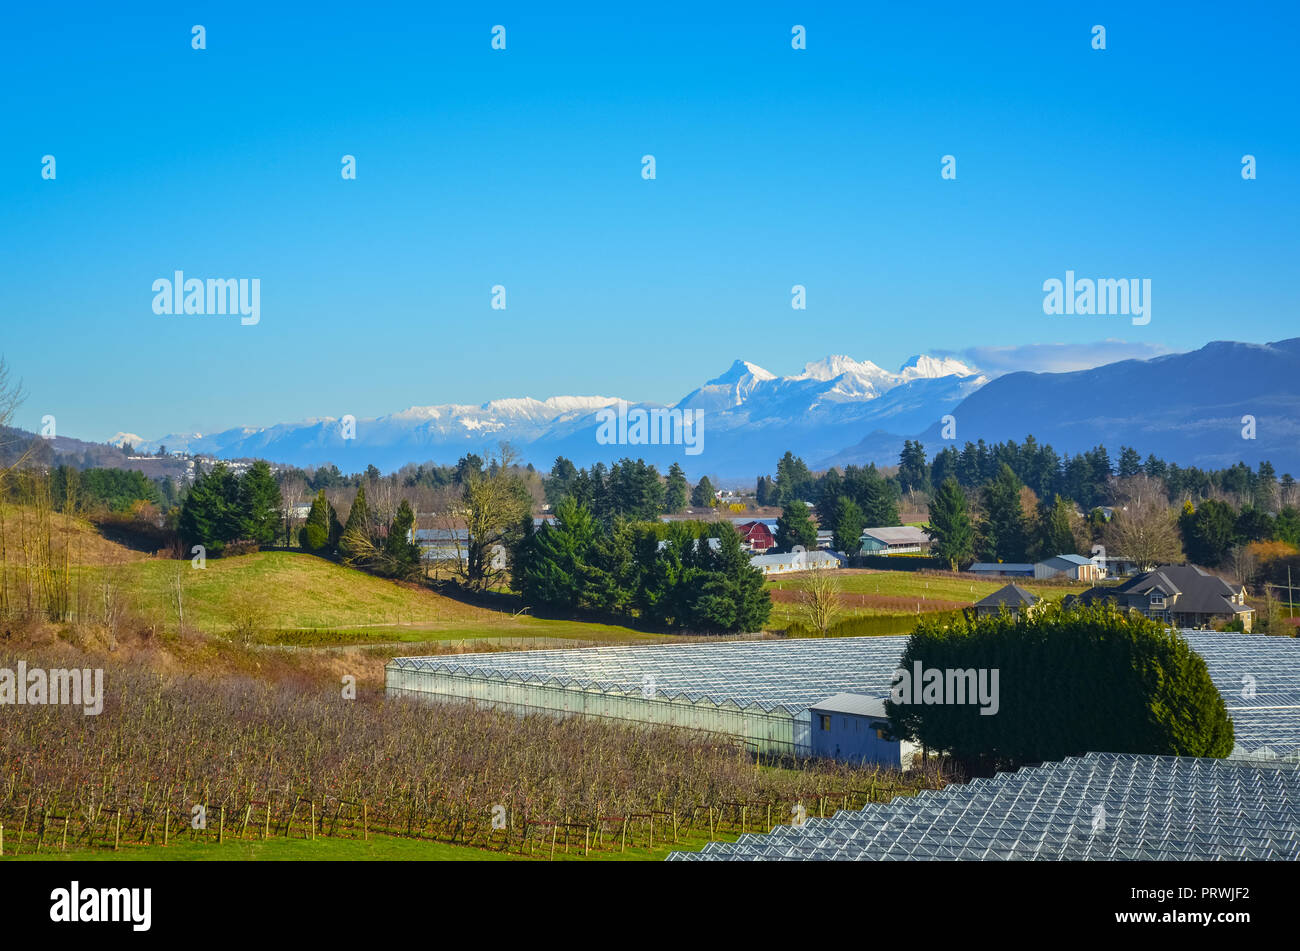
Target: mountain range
<point>1186,407</point>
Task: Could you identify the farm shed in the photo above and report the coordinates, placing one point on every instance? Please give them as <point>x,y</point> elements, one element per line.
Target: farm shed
<point>854,727</point>
<point>1002,569</point>
<point>894,540</point>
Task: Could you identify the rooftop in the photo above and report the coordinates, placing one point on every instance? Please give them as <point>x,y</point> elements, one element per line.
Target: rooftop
<point>1149,807</point>
<point>1012,595</point>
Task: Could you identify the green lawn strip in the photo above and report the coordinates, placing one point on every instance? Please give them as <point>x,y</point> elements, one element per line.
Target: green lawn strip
<point>377,848</point>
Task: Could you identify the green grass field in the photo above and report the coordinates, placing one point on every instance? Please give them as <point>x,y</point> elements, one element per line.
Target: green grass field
<point>378,848</point>
<point>896,597</point>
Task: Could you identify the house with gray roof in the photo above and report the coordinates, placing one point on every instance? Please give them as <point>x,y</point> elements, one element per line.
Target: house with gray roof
<point>1183,596</point>
<point>1012,597</point>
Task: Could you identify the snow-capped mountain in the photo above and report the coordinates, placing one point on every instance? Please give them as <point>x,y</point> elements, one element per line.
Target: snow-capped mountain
<point>1211,407</point>
<point>749,413</point>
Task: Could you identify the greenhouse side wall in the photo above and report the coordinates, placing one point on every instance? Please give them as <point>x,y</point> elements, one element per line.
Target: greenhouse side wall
<point>765,731</point>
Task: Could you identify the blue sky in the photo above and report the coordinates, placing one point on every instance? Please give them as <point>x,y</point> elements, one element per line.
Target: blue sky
<point>522,168</point>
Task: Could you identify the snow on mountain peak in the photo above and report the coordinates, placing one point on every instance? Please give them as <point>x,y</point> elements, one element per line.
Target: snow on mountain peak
<point>838,365</point>
<point>742,371</point>
<point>923,366</point>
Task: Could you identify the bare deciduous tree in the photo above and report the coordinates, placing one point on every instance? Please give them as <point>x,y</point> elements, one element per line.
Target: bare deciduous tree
<point>819,599</point>
<point>1244,565</point>
<point>1144,528</point>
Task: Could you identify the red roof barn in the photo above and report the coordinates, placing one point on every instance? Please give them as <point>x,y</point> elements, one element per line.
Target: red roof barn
<point>756,536</point>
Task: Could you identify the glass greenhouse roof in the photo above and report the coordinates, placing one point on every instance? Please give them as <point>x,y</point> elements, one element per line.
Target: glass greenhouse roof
<point>1258,676</point>
<point>1102,806</point>
<point>790,674</point>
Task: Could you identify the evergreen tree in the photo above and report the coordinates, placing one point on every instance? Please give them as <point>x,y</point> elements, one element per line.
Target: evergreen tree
<point>830,488</point>
<point>876,496</point>
<point>560,483</point>
<point>259,504</point>
<point>401,554</point>
<point>950,528</point>
<point>1054,534</point>
<point>557,567</point>
<point>795,527</point>
<point>793,480</point>
<point>702,494</point>
<point>1002,535</point>
<point>913,472</point>
<point>676,490</point>
<point>846,526</point>
<point>315,533</point>
<point>1130,463</point>
<point>1159,698</point>
<point>634,490</point>
<point>210,515</point>
<point>355,543</point>
<point>734,598</point>
<point>1209,532</point>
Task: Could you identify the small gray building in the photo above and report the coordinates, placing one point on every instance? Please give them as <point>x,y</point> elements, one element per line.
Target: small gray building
<point>853,727</point>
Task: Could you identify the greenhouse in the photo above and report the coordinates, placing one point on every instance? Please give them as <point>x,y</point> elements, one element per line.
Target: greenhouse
<point>761,691</point>
<point>757,691</point>
<point>1102,806</point>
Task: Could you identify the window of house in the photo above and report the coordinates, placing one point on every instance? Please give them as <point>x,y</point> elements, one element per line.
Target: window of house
<point>826,722</point>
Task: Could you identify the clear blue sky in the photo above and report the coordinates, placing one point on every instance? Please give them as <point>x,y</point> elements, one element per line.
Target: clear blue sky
<point>522,168</point>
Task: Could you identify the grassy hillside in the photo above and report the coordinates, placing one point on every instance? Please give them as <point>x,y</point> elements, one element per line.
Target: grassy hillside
<point>311,601</point>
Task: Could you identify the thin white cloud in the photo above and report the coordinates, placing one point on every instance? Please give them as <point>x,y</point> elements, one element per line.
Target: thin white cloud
<point>1054,357</point>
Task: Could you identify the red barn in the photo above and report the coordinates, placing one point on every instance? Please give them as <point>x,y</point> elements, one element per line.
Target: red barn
<point>756,536</point>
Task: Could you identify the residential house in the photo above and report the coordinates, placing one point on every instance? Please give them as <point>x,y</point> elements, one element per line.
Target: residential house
<point>1012,597</point>
<point>1183,596</point>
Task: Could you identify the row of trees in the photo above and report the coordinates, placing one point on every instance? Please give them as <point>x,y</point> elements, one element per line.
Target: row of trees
<point>629,488</point>
<point>1010,525</point>
<point>668,575</point>
<point>1087,478</point>
<point>222,507</point>
<point>1143,526</point>
<point>363,541</point>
